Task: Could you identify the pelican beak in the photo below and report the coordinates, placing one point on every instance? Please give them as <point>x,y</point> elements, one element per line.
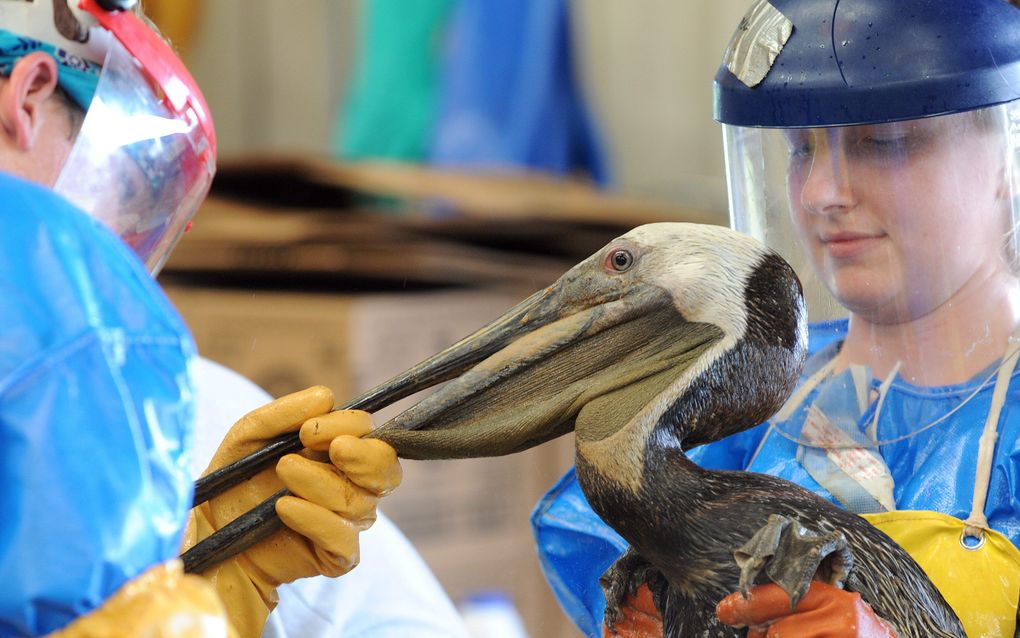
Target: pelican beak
<point>523,379</point>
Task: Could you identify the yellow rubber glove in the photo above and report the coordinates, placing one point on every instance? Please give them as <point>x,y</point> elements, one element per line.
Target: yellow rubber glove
<point>163,602</point>
<point>336,483</point>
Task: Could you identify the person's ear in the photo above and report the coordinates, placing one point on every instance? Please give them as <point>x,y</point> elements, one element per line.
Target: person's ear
<point>32,81</point>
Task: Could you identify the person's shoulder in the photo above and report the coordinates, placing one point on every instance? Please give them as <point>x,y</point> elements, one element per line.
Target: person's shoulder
<point>29,206</point>
<point>18,190</point>
<point>44,231</point>
<point>415,603</point>
<point>242,393</point>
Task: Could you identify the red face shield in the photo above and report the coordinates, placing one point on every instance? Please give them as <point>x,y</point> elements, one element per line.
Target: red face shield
<point>145,157</point>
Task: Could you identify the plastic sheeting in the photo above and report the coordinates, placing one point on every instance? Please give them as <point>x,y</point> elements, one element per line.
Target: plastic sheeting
<point>574,548</point>
<point>96,414</point>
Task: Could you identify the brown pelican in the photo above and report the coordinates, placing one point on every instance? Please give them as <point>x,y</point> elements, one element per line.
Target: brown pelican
<point>672,336</point>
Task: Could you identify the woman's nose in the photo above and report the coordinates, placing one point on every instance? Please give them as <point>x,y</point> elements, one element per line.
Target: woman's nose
<point>827,186</point>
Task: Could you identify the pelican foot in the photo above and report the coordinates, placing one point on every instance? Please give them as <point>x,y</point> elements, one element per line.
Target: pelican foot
<point>622,579</point>
<point>792,556</point>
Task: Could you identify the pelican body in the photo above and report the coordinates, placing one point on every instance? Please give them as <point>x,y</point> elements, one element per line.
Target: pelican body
<point>672,336</point>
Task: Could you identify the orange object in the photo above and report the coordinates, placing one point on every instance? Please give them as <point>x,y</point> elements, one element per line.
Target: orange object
<point>639,617</point>
<point>823,611</point>
<point>163,602</point>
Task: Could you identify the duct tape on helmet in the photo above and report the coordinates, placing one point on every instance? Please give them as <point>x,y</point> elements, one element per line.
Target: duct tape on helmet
<point>757,42</point>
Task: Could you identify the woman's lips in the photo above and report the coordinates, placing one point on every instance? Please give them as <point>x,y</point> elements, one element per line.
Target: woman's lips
<point>847,245</point>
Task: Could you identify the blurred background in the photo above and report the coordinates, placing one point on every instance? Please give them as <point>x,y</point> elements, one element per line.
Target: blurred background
<point>395,173</point>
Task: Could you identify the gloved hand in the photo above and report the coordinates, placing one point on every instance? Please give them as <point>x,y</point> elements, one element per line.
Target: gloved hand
<point>163,602</point>
<point>824,611</point>
<point>638,617</point>
<point>336,483</point>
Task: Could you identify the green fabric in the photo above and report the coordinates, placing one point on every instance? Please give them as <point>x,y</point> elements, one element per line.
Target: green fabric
<point>390,105</point>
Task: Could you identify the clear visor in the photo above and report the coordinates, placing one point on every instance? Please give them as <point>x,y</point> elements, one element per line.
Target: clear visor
<point>135,165</point>
<point>907,228</point>
<point>928,203</point>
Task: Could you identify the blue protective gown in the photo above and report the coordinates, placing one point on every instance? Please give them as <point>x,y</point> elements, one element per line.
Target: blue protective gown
<point>96,413</point>
<point>575,546</point>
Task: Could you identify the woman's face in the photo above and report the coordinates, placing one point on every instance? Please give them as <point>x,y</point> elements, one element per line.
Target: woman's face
<point>899,217</point>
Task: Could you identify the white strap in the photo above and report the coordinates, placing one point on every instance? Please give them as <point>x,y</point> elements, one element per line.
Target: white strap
<point>977,522</point>
<point>859,374</point>
<point>882,391</point>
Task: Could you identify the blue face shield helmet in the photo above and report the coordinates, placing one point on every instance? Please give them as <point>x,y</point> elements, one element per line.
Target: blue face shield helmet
<point>900,114</point>
<point>874,144</point>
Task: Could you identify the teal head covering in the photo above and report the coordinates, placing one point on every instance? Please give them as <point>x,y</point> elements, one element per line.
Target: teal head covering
<point>77,76</point>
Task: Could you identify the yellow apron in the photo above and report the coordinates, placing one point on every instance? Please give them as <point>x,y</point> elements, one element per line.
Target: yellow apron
<point>981,584</point>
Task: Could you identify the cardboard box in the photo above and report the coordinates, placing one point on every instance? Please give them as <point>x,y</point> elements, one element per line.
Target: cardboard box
<point>468,519</point>
<point>518,195</point>
<point>236,242</point>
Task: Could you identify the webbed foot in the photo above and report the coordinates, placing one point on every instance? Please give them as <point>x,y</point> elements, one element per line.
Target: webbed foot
<point>792,557</point>
<point>622,579</point>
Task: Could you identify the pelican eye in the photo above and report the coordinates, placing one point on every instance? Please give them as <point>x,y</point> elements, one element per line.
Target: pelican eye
<point>620,260</point>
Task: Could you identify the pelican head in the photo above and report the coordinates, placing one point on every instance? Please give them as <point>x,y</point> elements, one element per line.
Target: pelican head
<point>621,334</point>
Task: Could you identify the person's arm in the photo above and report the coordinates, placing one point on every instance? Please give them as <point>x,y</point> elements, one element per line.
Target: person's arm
<point>414,603</point>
